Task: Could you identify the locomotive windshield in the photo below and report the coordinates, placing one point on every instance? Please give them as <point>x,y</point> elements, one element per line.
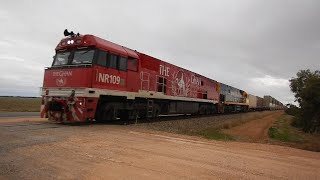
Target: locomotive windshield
<point>84,56</point>
<point>61,58</point>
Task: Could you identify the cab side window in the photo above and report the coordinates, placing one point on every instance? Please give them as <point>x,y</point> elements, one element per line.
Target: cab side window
<point>102,58</point>
<point>112,61</point>
<point>122,64</point>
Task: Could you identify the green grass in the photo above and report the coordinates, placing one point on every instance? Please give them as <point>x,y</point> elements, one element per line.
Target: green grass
<point>215,134</point>
<point>283,131</point>
<point>19,104</point>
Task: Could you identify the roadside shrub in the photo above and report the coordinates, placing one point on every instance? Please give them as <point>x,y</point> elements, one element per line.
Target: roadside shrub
<point>272,132</point>
<point>292,110</point>
<point>306,89</point>
<point>296,122</point>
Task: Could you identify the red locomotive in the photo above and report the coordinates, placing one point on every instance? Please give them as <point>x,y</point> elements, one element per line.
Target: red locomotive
<point>95,79</point>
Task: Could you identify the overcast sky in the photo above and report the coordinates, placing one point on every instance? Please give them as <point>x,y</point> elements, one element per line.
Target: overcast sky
<point>254,45</point>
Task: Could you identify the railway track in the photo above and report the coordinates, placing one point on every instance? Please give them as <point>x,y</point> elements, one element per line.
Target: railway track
<point>48,125</point>
<point>160,118</point>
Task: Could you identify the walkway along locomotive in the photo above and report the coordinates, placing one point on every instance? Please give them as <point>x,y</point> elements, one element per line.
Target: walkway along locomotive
<point>95,79</point>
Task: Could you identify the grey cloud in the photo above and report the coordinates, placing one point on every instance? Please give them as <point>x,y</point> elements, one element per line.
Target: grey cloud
<point>236,42</point>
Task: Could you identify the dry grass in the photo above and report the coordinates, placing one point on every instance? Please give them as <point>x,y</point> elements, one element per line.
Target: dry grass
<point>19,104</point>
<point>283,133</point>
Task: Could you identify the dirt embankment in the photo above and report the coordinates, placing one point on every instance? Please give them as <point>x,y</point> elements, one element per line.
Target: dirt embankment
<point>246,127</point>
<point>194,125</point>
<point>255,130</point>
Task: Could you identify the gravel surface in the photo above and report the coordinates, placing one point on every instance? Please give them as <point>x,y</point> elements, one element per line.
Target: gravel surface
<point>19,114</point>
<point>32,148</point>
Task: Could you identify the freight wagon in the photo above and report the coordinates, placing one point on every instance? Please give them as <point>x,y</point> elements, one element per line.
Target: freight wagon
<point>259,103</point>
<point>253,100</point>
<point>270,103</point>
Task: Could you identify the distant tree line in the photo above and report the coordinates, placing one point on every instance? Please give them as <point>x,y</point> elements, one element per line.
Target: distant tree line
<point>306,89</point>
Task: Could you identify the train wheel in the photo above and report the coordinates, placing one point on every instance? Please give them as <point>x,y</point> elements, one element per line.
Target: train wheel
<point>142,114</point>
<point>107,113</point>
<point>124,116</point>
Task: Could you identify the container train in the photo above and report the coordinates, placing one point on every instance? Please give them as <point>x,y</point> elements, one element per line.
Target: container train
<point>92,79</point>
<point>257,103</point>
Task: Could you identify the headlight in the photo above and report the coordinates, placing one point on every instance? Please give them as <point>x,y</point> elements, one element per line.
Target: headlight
<point>70,41</point>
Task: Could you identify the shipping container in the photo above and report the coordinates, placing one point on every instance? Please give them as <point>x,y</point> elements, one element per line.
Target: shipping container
<point>259,103</point>
<point>252,102</point>
<point>267,102</point>
<point>270,103</point>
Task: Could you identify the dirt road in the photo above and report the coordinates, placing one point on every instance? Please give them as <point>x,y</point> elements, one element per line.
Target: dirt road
<point>19,114</point>
<point>35,149</point>
<point>255,130</point>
